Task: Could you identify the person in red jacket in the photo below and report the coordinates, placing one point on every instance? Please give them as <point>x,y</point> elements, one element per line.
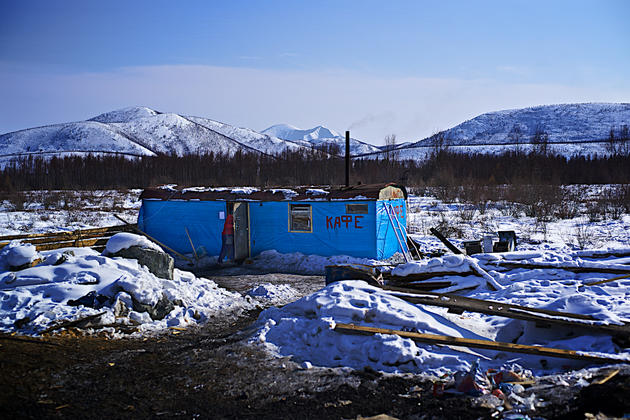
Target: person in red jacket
<point>227,236</point>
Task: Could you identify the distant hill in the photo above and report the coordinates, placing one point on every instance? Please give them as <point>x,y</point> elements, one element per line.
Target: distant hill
<point>581,129</point>
<point>572,129</point>
<point>319,136</point>
<point>139,131</point>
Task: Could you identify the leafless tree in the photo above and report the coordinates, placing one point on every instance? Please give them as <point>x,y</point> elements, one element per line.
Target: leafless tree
<point>390,148</point>
<point>540,141</point>
<point>515,136</point>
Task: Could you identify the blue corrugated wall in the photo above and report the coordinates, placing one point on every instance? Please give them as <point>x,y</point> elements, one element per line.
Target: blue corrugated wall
<point>334,231</point>
<point>351,235</point>
<point>166,221</point>
<point>386,242</point>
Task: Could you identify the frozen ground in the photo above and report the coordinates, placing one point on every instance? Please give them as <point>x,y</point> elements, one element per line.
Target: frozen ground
<point>296,326</point>
<point>583,226</point>
<point>56,211</point>
<point>36,298</point>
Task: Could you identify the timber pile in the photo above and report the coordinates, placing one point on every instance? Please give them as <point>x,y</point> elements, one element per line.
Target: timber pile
<point>481,344</point>
<point>95,238</point>
<point>542,317</point>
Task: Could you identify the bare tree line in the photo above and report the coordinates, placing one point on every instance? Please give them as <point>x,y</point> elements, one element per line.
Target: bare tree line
<point>444,167</point>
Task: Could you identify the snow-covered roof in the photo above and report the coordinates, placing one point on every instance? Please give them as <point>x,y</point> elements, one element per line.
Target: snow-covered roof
<point>304,193</point>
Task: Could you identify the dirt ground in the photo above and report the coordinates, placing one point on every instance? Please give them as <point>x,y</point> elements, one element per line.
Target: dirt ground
<point>213,372</point>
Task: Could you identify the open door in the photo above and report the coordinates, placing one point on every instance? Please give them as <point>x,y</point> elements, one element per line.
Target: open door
<point>241,231</point>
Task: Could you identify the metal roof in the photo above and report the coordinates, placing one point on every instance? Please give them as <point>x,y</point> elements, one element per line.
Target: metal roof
<point>312,193</point>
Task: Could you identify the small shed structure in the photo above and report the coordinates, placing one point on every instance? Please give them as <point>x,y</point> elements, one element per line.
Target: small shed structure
<point>361,221</point>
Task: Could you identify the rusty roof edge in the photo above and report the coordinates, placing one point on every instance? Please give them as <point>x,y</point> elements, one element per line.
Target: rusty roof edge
<point>301,193</point>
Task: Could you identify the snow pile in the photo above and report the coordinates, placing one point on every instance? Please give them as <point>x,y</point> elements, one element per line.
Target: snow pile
<point>303,329</point>
<point>446,264</point>
<point>79,282</point>
<point>296,262</point>
<point>316,191</point>
<point>277,294</point>
<point>16,254</point>
<point>244,190</point>
<point>124,240</point>
<point>288,194</point>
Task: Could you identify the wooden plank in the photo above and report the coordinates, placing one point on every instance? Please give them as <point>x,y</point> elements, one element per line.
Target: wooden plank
<point>70,244</point>
<point>135,229</point>
<point>530,266</point>
<point>427,285</point>
<point>191,244</point>
<point>482,344</point>
<point>76,238</point>
<point>541,316</point>
<point>74,323</point>
<point>607,378</point>
<point>627,276</point>
<point>426,276</point>
<point>116,228</point>
<point>445,241</point>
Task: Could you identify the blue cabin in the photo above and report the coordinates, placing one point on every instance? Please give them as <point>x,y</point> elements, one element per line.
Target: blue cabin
<point>361,221</point>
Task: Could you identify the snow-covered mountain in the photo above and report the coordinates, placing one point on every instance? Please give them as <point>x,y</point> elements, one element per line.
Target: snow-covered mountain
<point>571,129</point>
<point>318,137</point>
<point>139,131</point>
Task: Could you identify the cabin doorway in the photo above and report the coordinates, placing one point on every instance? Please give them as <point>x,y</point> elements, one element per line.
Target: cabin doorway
<point>241,231</point>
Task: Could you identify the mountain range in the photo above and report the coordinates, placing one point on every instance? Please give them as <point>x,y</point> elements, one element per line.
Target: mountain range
<point>571,129</point>
<point>141,131</point>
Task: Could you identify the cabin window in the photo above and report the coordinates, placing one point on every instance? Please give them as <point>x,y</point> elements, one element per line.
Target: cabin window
<point>300,218</point>
<point>356,209</point>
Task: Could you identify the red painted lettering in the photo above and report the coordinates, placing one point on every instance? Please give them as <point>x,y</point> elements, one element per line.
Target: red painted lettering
<point>346,220</point>
<point>337,222</point>
<point>356,222</point>
<point>329,223</point>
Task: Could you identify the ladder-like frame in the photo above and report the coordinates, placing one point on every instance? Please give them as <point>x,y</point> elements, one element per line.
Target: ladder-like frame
<point>397,227</point>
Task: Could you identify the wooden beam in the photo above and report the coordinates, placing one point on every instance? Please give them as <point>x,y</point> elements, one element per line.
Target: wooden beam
<point>607,378</point>
<point>71,244</point>
<point>116,228</point>
<point>76,238</point>
<point>445,241</point>
<point>426,276</point>
<point>427,285</point>
<point>507,310</point>
<point>627,276</point>
<point>554,266</point>
<point>135,229</point>
<point>482,344</point>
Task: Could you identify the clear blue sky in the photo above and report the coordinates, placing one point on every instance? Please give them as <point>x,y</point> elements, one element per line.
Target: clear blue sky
<point>441,62</point>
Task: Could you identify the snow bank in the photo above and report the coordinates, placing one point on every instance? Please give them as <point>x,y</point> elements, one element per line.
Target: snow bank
<point>296,262</point>
<point>124,240</point>
<point>72,285</point>
<point>448,263</point>
<point>277,294</point>
<point>303,329</point>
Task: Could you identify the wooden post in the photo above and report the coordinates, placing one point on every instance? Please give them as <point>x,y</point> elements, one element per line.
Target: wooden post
<point>445,241</point>
<point>191,244</point>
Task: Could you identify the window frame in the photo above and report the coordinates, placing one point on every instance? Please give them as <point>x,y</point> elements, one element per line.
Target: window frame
<point>367,208</point>
<point>290,218</point>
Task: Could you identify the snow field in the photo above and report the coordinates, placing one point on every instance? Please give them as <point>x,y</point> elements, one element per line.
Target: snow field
<point>37,298</point>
